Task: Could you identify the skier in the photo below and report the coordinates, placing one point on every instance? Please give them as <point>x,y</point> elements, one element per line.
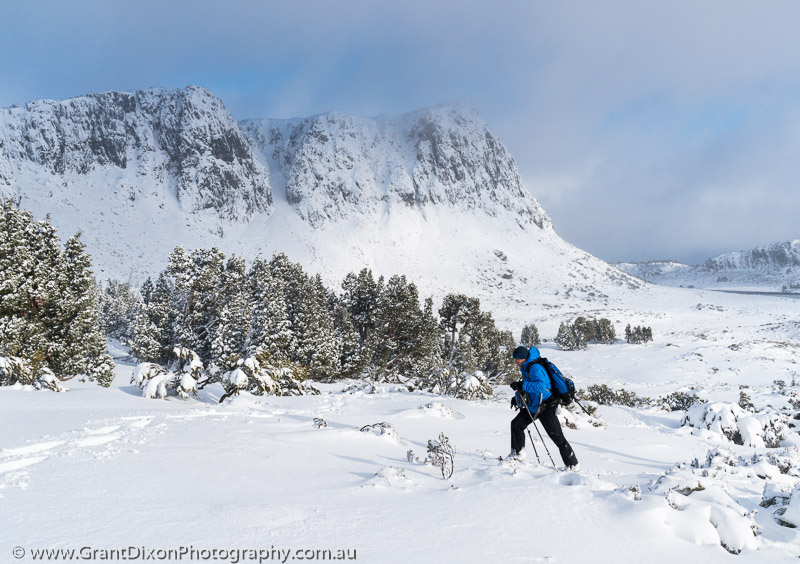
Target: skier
<point>532,395</point>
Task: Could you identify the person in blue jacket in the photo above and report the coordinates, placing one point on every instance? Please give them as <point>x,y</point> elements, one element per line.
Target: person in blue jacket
<point>534,391</point>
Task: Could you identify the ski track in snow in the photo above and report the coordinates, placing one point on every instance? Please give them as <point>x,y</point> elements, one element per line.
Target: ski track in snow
<point>17,462</point>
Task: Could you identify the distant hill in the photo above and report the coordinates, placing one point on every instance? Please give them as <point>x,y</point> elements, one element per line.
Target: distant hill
<point>774,268</point>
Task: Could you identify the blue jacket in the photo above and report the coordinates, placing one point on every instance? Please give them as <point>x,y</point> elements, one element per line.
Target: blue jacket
<point>535,382</point>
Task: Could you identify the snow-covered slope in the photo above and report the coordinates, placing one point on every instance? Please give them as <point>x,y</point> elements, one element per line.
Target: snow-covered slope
<point>432,194</point>
<point>772,268</point>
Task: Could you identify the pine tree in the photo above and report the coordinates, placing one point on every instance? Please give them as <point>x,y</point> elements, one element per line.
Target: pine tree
<point>235,316</point>
<point>565,338</point>
<point>197,297</point>
<point>118,307</point>
<point>530,336</point>
<point>428,358</point>
<point>318,347</point>
<point>604,331</point>
<point>84,345</point>
<point>456,314</point>
<point>354,357</point>
<point>362,296</point>
<point>154,333</point>
<point>48,314</point>
<point>21,330</point>
<point>146,290</point>
<point>294,281</point>
<point>271,335</point>
<point>398,324</point>
<point>584,331</point>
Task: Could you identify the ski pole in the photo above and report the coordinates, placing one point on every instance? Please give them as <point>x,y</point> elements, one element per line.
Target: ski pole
<point>545,444</point>
<point>534,446</point>
<point>583,408</point>
<point>528,411</point>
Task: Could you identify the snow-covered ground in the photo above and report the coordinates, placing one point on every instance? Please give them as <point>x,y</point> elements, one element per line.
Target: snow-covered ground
<point>106,469</point>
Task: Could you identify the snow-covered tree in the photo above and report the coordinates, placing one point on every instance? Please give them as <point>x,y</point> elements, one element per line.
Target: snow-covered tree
<point>565,338</point>
<point>84,344</point>
<point>235,317</point>
<point>154,336</point>
<point>48,315</point>
<point>118,306</point>
<point>456,315</point>
<point>604,331</point>
<point>400,321</point>
<point>362,296</point>
<point>197,297</point>
<point>318,347</point>
<point>271,332</point>
<point>530,336</point>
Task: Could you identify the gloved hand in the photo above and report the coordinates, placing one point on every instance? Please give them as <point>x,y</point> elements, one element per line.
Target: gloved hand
<point>516,386</point>
<point>513,403</point>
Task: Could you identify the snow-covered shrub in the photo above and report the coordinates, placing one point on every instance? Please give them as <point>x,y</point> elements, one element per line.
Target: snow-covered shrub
<point>438,408</point>
<point>152,379</point>
<point>463,385</point>
<point>573,417</point>
<point>383,428</point>
<point>745,402</point>
<point>257,375</point>
<point>46,380</point>
<point>789,516</point>
<point>766,428</point>
<point>734,525</point>
<point>441,454</point>
<point>707,512</point>
<point>677,401</point>
<point>365,386</point>
<point>156,381</point>
<point>189,371</point>
<point>14,370</point>
<point>603,395</point>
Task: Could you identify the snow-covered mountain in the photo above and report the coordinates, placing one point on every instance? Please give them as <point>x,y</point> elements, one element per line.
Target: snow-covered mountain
<point>432,194</point>
<point>770,268</point>
<point>336,166</point>
<point>155,145</point>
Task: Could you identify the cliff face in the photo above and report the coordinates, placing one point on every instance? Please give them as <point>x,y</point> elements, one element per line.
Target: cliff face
<point>335,165</point>
<point>182,142</point>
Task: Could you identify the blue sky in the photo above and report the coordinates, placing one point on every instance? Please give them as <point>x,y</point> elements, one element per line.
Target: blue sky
<point>647,130</point>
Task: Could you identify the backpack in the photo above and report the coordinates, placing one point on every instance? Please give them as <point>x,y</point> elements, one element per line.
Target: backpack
<point>562,388</point>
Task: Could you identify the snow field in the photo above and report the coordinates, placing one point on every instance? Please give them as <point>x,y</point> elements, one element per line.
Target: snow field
<point>258,472</point>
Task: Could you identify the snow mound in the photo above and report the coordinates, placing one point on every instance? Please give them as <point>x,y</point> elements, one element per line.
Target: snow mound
<point>767,428</point>
<point>390,477</point>
<point>438,409</point>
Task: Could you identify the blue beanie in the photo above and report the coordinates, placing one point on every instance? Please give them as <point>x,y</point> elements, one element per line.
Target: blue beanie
<point>520,352</point>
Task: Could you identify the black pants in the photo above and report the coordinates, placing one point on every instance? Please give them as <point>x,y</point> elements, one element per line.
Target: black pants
<point>551,425</point>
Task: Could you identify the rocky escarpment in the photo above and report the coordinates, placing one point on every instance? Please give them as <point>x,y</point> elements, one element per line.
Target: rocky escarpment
<point>334,165</point>
<point>179,141</point>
